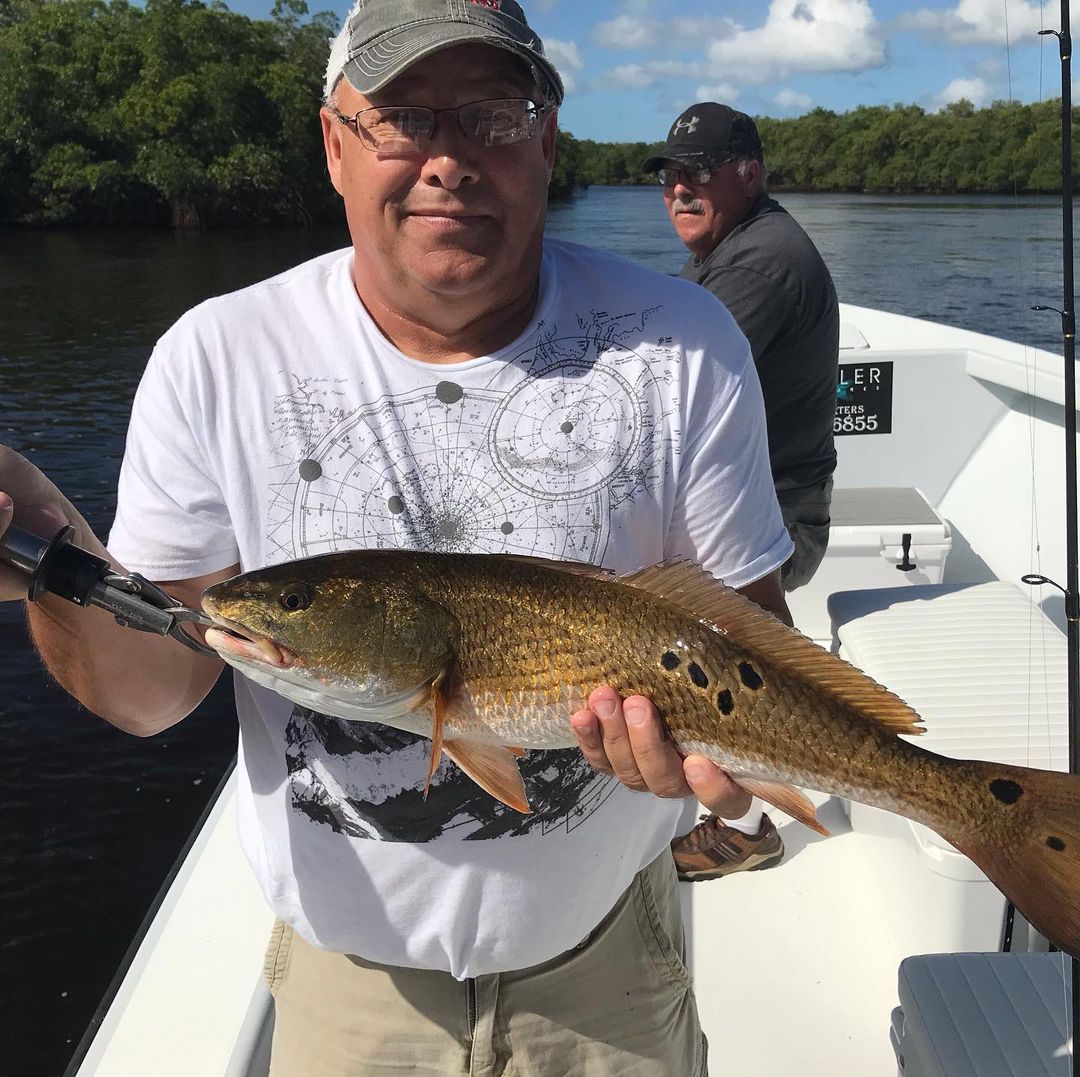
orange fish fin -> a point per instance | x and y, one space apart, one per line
682 582
493 768
437 724
519 752
708 599
574 568
1024 832
785 797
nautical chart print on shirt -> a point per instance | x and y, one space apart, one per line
534 455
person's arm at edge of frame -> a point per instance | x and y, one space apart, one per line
138 682
627 737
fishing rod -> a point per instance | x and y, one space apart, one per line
1068 333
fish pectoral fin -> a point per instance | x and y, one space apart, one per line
785 797
493 768
438 700
519 752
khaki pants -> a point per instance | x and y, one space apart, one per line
618 1005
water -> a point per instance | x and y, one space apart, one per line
979 262
93 818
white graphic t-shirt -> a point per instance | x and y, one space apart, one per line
625 425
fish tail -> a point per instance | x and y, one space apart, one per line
1027 841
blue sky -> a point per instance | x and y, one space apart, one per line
632 65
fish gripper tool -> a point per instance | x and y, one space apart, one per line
56 566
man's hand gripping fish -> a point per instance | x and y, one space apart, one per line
489 655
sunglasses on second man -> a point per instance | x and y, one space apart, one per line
691 177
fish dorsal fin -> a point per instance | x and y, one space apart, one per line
573 568
700 594
690 587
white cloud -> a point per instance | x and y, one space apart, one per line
625 32
793 99
693 30
980 22
636 76
566 56
802 35
717 91
977 91
633 32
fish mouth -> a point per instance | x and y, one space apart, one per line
231 639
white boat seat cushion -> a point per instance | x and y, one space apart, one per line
983 665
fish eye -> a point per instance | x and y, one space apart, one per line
295 597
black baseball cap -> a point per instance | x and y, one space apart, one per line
707 134
383 38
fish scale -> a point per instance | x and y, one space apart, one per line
491 654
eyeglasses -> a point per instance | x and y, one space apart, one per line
407 129
668 177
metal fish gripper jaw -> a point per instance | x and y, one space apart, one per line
56 566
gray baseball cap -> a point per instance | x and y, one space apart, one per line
382 38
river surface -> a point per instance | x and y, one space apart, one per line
92 818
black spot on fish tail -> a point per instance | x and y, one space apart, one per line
1007 791
669 660
725 702
750 676
1056 844
697 675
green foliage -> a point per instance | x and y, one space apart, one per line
614 163
179 111
183 112
1001 149
567 166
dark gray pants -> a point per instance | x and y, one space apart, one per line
806 515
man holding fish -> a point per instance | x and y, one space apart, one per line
452 383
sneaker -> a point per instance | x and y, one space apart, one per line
713 849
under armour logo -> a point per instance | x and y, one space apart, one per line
690 125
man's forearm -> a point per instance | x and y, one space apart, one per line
139 682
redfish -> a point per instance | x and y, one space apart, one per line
489 655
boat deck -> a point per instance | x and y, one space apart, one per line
804 956
801 957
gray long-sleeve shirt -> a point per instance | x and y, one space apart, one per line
769 274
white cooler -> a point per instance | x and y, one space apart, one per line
870 528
